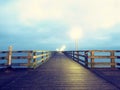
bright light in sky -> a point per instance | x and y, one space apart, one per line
62 48
76 33
46 24
57 49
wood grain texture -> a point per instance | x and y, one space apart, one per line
59 73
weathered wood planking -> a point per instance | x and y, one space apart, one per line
59 73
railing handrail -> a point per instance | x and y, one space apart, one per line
33 56
90 54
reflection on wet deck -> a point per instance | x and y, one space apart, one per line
59 73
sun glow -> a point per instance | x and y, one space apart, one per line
76 33
62 48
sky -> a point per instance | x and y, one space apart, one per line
46 24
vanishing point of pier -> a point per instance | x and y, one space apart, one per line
59 71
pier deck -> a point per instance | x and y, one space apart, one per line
59 73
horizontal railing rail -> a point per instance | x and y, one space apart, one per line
23 58
96 58
40 57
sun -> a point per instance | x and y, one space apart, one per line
76 33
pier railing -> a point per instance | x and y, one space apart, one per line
40 57
96 58
23 58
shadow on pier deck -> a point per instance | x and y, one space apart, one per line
59 73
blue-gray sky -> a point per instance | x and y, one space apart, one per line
46 24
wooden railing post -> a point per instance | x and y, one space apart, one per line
86 58
92 59
42 55
77 52
47 55
112 59
73 55
34 54
29 59
9 58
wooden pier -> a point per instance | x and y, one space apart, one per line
58 73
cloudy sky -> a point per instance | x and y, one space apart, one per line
46 24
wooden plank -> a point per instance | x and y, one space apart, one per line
102 63
80 55
3 51
19 64
102 50
86 59
44 54
92 59
59 73
3 64
39 51
42 60
81 60
84 51
9 57
29 59
39 61
78 51
118 57
118 64
34 57
117 51
37 56
16 57
21 57
3 58
112 59
75 58
23 51
102 57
